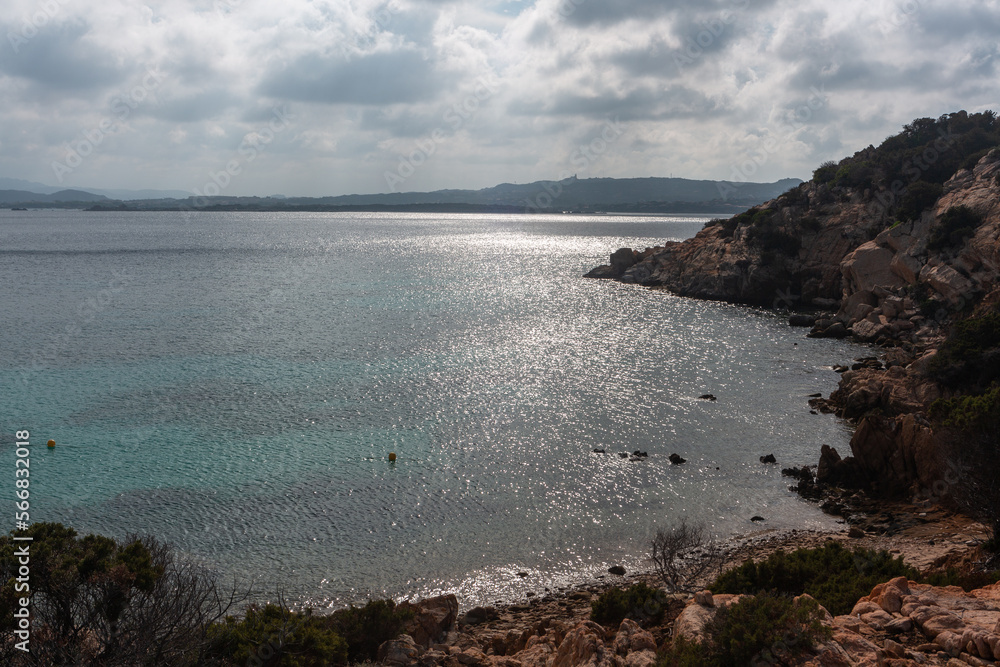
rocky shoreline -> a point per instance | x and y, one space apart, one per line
833 258
555 630
857 252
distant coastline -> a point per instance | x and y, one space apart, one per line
721 209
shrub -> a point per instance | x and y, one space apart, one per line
974 413
757 628
640 602
671 554
274 635
825 173
966 580
794 196
366 628
810 223
97 600
833 575
957 224
970 355
769 239
857 175
918 197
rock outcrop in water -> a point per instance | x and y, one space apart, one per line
892 247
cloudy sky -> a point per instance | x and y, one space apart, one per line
313 97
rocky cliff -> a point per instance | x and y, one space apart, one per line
892 246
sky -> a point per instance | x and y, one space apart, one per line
318 97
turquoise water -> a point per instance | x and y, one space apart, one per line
233 384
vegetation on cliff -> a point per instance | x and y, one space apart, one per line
747 632
99 601
905 173
832 574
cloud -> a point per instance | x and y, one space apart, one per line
699 85
397 77
58 56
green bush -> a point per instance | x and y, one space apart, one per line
640 602
758 628
957 224
968 581
773 240
918 197
975 413
366 628
833 575
273 635
276 635
857 175
825 173
97 600
970 355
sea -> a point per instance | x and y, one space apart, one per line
233 384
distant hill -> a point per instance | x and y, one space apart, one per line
35 187
635 195
574 192
60 196
626 195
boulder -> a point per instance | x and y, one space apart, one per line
621 260
867 331
631 637
799 320
867 267
949 283
433 618
478 615
583 647
399 652
539 654
906 267
835 471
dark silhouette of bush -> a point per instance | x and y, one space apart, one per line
919 196
957 224
272 636
825 173
100 601
366 628
833 575
970 356
755 630
857 175
640 602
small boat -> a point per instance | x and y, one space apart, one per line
19 209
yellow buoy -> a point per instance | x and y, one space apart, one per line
392 457
52 444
